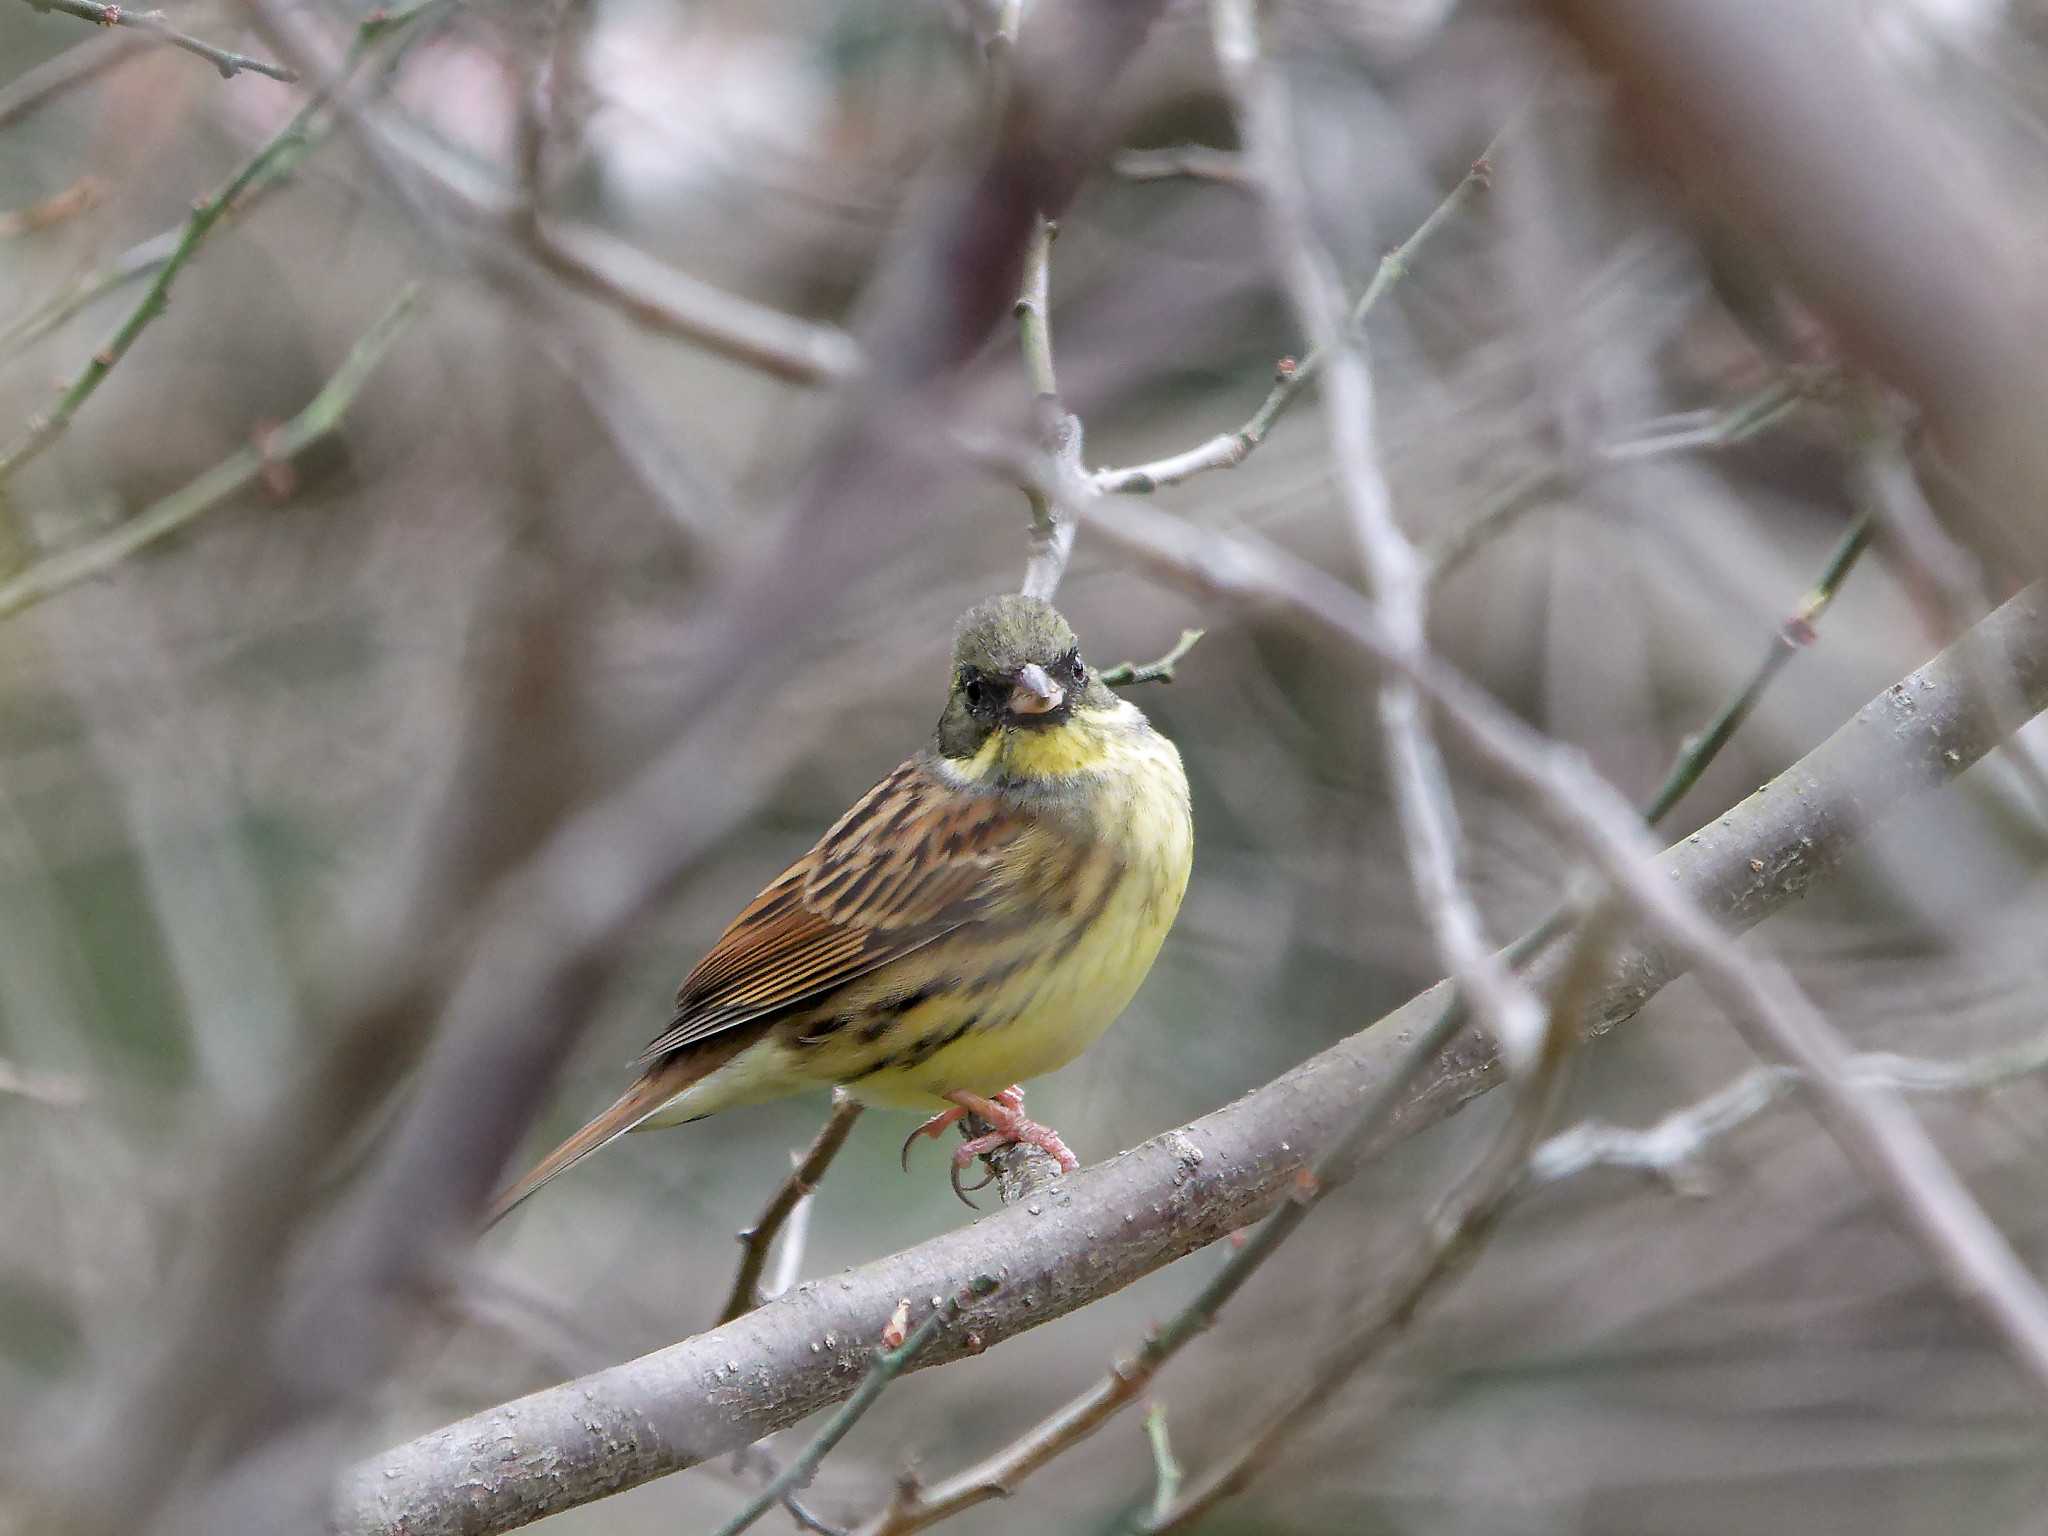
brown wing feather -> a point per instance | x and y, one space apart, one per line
914 859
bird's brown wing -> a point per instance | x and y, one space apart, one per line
915 859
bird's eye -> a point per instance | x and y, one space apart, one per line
1078 667
974 692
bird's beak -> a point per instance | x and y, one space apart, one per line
1035 692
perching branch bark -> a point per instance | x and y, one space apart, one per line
1119 1221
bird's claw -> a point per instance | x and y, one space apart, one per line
933 1128
1004 1113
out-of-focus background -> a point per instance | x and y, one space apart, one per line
267 780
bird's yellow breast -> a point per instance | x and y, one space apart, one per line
1104 911
1089 897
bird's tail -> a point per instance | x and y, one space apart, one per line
637 1103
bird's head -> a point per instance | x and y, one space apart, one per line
1016 667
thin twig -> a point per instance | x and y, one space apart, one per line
1422 795
756 1240
1034 312
1228 449
1671 1150
1053 515
140 260
1880 1137
1166 1472
148 257
886 1367
508 217
1195 162
1450 1242
287 145
1792 637
1524 494
1050 496
158 25
75 66
1739 423
808 1520
322 414
1128 674
1699 750
81 196
273 161
787 1251
760 1459
41 1087
652 294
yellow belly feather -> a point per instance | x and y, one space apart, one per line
1014 1006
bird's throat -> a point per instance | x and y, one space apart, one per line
1087 742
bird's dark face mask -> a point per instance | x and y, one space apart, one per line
1035 697
1016 667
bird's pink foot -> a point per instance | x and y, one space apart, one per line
1011 1098
1005 1112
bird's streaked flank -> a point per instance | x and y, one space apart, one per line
979 917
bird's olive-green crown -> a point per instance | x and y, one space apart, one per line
994 642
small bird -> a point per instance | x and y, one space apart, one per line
979 917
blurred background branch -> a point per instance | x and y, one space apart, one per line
157 25
269 458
